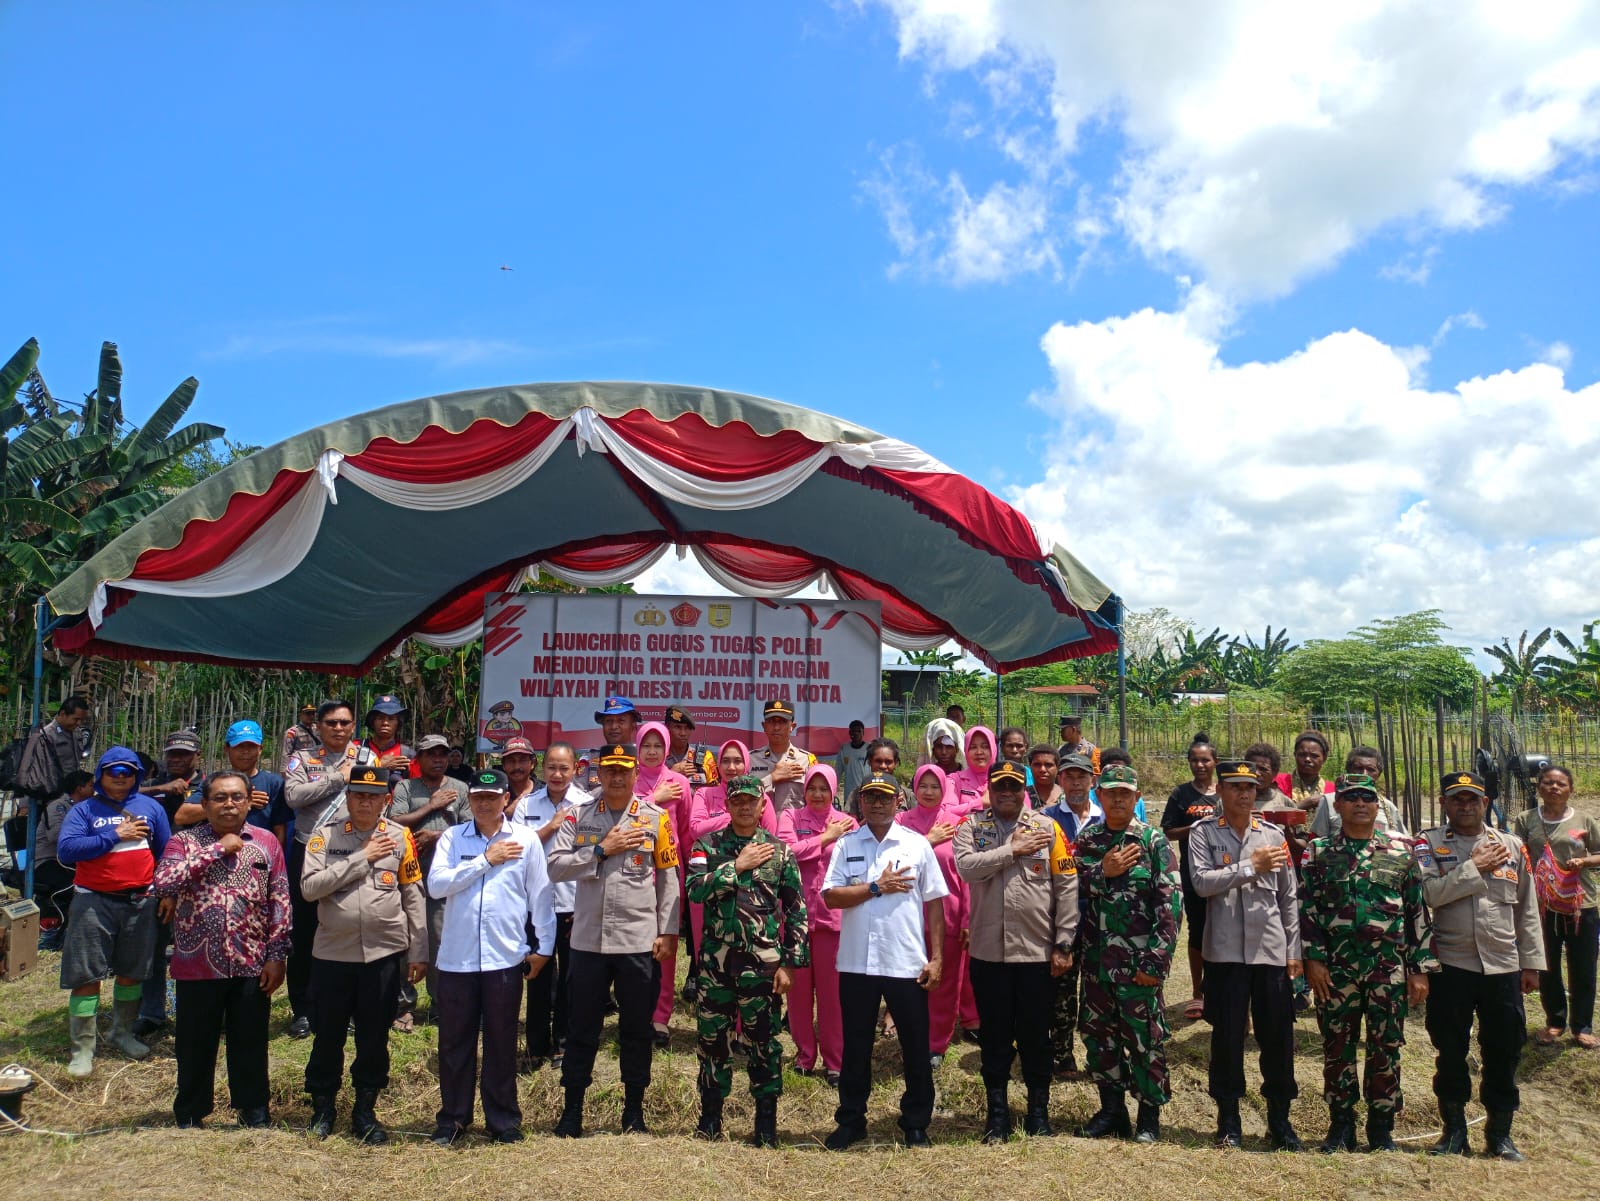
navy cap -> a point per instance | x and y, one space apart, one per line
387 704
490 780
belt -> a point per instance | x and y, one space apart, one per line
126 894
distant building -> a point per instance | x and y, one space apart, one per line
1075 698
919 683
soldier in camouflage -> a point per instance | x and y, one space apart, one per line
754 936
1368 946
1129 894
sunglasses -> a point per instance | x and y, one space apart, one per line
338 721
118 770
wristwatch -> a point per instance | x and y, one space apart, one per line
873 890
599 853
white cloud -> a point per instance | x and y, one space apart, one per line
941 230
1323 489
1262 140
336 336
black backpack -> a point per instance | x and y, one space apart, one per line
11 760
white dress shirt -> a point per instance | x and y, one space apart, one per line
884 935
536 809
487 905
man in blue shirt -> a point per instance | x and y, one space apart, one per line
268 810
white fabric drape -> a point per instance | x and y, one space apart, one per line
457 494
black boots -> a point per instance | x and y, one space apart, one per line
1497 1142
766 1127
1380 1132
1036 1122
364 1122
997 1122
1453 1138
1147 1129
570 1124
1229 1132
710 1124
321 1115
1280 1134
633 1110
1341 1132
1112 1118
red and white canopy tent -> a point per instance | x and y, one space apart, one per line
328 549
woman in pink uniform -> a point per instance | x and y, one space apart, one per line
971 783
709 811
936 816
665 788
811 830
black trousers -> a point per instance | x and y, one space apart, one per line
637 981
859 996
1014 1006
1264 992
547 995
208 1009
1579 937
369 993
1455 997
469 1003
302 934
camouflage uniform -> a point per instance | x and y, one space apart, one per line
1361 914
754 922
1129 923
1064 1012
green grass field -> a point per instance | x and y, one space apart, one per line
136 1151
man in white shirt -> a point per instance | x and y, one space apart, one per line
887 884
492 883
543 809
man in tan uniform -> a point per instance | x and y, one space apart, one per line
624 926
1024 914
1251 945
780 764
372 933
1488 939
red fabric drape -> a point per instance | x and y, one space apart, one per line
714 452
437 456
204 545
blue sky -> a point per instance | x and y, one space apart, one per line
990 229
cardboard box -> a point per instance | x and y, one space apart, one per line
19 939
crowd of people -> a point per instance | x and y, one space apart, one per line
1012 895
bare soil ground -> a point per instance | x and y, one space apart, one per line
135 1152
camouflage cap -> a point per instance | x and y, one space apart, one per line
1119 776
744 786
1352 783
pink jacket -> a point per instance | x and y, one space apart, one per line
802 829
922 819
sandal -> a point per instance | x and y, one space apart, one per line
1195 1009
1548 1036
1586 1040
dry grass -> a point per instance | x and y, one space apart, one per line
144 1156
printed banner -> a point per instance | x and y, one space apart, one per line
550 660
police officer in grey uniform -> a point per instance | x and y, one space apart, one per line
1024 915
372 933
1251 946
1487 937
624 926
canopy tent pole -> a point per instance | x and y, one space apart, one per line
41 627
1122 676
999 716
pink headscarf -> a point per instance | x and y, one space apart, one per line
828 775
650 778
923 818
971 783
709 812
